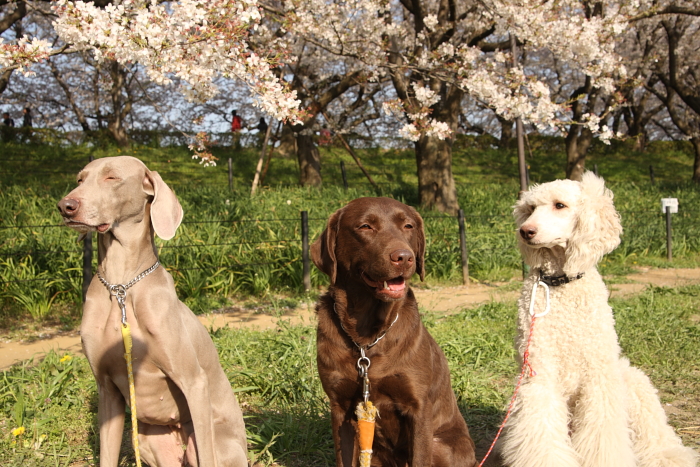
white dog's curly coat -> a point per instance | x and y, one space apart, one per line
583 405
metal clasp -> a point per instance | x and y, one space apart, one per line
363 364
119 292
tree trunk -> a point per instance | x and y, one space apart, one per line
578 140
69 95
309 161
436 186
696 166
288 143
120 106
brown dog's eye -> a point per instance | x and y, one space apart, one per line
365 227
559 206
408 226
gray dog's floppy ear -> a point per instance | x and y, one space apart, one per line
420 246
166 212
598 227
323 249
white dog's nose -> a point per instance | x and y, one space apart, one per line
527 232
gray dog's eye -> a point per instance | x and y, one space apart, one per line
559 206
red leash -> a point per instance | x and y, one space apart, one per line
526 365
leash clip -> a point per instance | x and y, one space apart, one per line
118 291
534 296
363 364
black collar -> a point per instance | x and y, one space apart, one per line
554 281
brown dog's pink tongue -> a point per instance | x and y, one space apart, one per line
396 284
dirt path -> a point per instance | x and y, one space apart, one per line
445 300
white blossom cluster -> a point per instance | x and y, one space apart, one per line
577 38
23 53
192 40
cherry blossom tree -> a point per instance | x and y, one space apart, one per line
192 41
437 51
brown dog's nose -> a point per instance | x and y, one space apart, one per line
68 207
401 257
528 232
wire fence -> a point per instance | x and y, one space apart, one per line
221 255
454 243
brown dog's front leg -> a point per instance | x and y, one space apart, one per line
110 416
343 437
421 454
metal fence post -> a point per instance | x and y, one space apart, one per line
230 175
345 175
595 170
463 246
652 177
669 242
305 250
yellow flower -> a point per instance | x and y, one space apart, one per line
66 358
18 431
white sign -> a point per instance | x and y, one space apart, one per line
671 203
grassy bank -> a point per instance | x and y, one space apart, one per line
287 413
230 245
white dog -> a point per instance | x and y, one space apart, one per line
580 404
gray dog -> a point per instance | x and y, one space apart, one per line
183 397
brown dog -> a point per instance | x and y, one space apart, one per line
183 397
369 249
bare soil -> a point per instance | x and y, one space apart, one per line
445 300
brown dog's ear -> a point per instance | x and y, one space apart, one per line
166 212
323 249
420 246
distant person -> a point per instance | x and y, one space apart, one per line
27 118
236 127
325 137
262 131
6 120
236 122
8 133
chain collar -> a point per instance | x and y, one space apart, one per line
364 362
369 346
119 290
554 281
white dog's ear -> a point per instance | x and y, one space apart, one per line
166 212
598 229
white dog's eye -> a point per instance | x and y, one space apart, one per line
559 206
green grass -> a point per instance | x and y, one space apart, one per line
287 412
232 246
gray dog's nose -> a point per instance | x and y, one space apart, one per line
68 207
401 256
528 232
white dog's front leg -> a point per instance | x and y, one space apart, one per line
600 424
537 433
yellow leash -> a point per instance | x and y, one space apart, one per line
126 335
119 292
